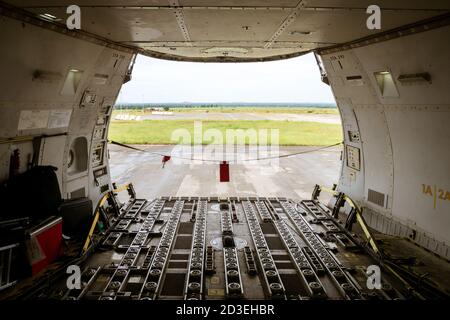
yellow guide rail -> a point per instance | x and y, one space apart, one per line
126 187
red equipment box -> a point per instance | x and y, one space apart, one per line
45 244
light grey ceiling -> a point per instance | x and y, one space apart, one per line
246 29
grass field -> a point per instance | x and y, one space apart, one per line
239 110
160 131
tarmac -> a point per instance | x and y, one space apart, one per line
292 177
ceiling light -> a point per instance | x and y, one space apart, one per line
49 17
222 50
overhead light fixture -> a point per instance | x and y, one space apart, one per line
227 50
72 81
386 84
49 17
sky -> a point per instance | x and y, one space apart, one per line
295 80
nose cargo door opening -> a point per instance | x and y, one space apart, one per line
68 231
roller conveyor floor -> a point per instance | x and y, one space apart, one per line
229 248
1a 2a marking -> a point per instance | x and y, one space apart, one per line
436 193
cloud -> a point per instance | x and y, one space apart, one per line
291 80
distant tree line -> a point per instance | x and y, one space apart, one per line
167 106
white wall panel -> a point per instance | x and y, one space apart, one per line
405 139
31 52
377 148
422 157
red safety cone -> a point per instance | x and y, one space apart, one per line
224 172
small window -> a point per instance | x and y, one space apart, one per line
77 161
71 83
386 84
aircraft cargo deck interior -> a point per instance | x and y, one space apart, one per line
76 224
192 248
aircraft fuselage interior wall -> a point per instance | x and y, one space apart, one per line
62 90
394 102
392 96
